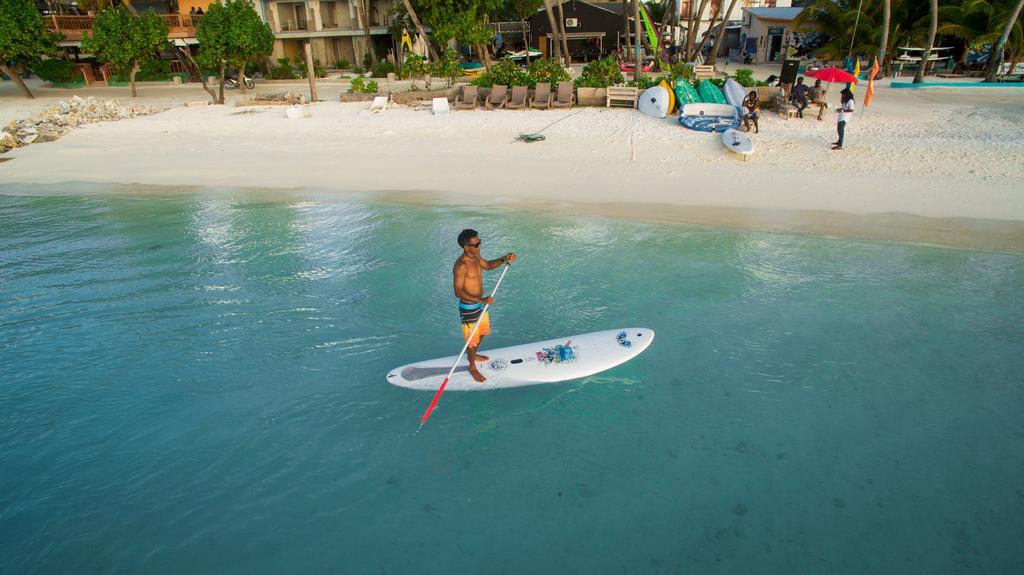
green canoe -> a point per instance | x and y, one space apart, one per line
685 94
710 93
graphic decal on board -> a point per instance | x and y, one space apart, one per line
558 354
623 340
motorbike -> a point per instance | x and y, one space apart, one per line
232 83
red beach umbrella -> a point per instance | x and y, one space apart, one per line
832 74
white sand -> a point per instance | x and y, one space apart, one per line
940 153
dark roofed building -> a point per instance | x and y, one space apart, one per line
591 30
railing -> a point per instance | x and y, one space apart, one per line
177 24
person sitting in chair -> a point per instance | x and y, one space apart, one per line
817 96
799 97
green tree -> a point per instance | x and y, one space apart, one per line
125 41
231 35
24 40
447 67
836 19
466 21
249 36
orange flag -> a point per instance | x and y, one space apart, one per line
870 94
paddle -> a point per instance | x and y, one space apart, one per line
440 390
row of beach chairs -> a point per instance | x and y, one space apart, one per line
519 98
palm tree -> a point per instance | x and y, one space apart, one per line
561 32
363 14
720 34
625 22
692 25
836 20
554 29
933 28
884 43
707 35
973 22
996 55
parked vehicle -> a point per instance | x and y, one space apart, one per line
232 83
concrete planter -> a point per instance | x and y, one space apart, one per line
591 96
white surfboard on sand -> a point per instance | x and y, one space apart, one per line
654 101
738 143
548 361
734 93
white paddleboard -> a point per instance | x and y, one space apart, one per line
734 93
548 361
723 110
654 102
738 143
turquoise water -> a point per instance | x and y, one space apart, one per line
194 383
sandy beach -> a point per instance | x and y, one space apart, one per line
939 166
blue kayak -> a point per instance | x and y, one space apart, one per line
709 123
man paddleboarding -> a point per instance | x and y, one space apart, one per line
469 288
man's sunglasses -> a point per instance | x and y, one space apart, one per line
476 245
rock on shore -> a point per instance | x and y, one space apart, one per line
59 119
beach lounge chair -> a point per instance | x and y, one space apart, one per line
565 97
440 106
517 101
498 97
468 99
541 96
379 104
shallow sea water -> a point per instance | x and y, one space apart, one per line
194 383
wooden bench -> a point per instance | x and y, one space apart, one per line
704 72
621 95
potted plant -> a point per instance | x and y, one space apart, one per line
594 79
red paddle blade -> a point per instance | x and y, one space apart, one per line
433 404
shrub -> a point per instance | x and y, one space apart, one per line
357 70
547 70
359 85
600 74
153 70
644 82
679 70
341 64
319 69
57 71
414 66
382 69
745 77
505 73
283 70
447 67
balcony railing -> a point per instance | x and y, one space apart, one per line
73 27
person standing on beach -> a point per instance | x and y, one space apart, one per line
843 115
469 288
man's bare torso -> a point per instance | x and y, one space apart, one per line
472 275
